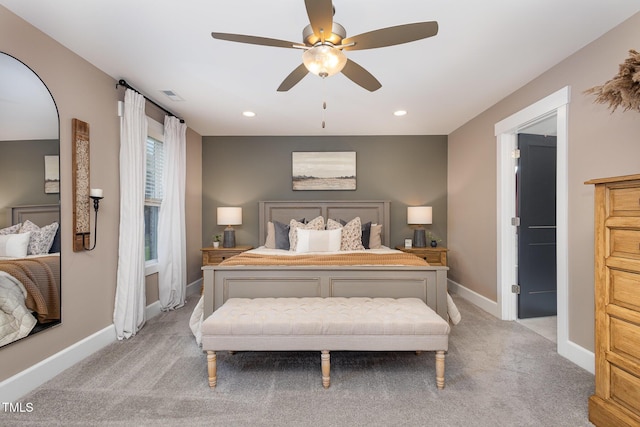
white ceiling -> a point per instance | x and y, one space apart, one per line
484 51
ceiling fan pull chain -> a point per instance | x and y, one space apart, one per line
324 103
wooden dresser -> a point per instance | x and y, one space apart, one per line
616 401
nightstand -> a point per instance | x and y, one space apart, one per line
434 256
214 256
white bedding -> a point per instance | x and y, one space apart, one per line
16 320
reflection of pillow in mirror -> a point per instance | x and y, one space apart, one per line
10 230
14 245
375 238
318 240
41 237
315 224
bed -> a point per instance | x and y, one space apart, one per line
29 271
221 282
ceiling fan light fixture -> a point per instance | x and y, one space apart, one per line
324 60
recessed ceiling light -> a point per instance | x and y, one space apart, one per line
248 114
400 113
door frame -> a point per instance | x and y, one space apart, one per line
506 136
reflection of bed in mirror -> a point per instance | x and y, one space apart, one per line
29 273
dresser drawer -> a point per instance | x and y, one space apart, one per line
625 389
625 243
625 339
624 289
625 201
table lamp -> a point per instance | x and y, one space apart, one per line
229 216
419 215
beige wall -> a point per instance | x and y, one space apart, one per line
88 278
600 144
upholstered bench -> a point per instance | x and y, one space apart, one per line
325 324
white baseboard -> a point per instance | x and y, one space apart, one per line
23 382
569 350
15 387
475 298
579 355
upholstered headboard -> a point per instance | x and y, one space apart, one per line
40 215
376 211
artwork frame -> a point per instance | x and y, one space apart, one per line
52 174
323 170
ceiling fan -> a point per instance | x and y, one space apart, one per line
325 40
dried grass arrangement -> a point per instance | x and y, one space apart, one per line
624 89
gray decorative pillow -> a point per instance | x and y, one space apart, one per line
281 232
41 237
10 230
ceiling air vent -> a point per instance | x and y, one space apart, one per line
172 95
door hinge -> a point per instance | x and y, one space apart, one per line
515 221
515 289
515 153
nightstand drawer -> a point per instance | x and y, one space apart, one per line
214 256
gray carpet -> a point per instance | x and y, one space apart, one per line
498 374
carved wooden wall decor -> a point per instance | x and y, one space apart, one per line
80 180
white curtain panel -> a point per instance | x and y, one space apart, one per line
128 315
172 262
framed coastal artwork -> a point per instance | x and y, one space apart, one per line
323 170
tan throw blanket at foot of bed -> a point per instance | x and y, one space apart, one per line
41 279
349 258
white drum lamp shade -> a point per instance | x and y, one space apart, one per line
419 215
229 216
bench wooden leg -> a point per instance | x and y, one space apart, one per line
326 368
212 368
440 369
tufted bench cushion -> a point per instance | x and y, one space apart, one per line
324 324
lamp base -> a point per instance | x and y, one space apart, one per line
419 238
229 240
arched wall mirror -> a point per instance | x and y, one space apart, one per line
30 253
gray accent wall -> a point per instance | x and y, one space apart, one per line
241 171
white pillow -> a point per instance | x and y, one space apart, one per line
315 224
318 240
14 245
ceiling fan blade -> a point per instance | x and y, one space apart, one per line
293 78
360 76
262 41
320 14
392 35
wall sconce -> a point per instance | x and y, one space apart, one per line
96 196
229 216
419 215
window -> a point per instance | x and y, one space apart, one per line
153 190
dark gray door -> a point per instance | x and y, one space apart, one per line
536 208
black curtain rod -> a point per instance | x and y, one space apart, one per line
123 82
